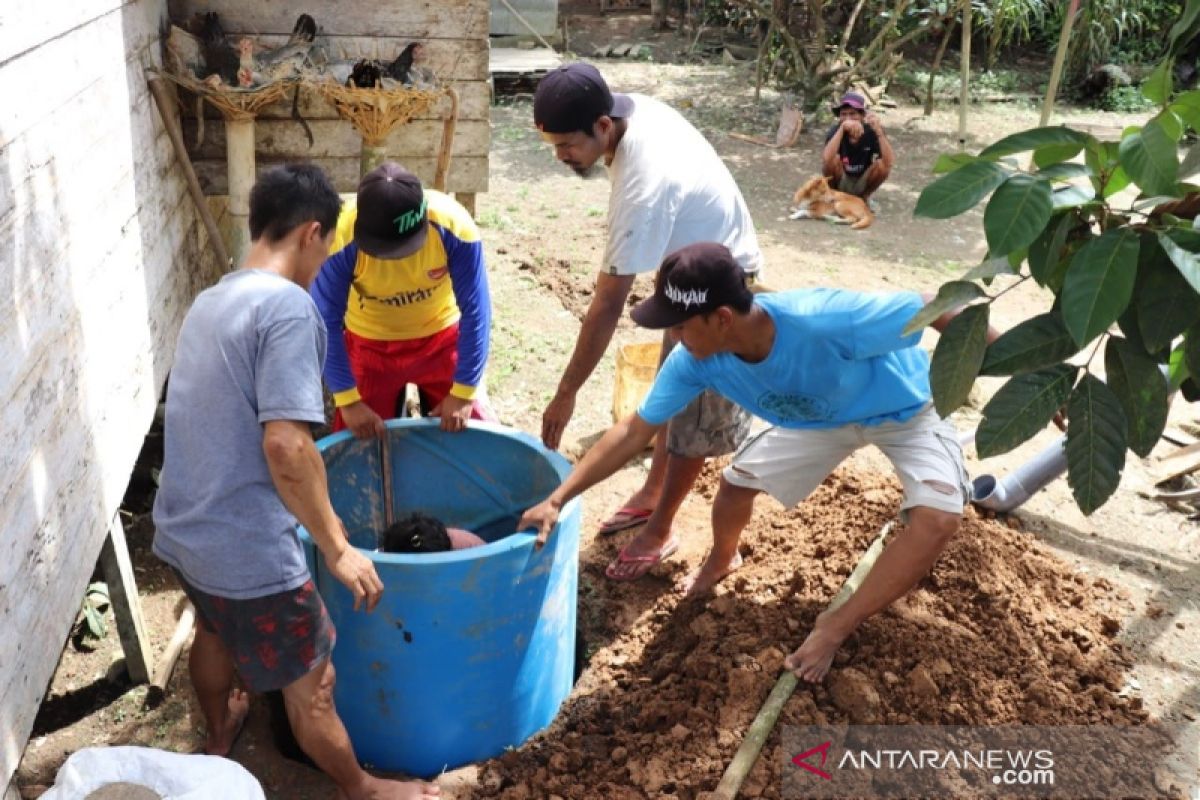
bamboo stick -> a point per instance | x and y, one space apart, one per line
166 665
239 161
747 755
448 126
162 100
965 89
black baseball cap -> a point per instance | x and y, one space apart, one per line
572 97
693 280
391 221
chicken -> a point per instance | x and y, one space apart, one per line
297 55
221 58
399 69
248 74
366 74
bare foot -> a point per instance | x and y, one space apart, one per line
220 741
380 789
702 580
812 659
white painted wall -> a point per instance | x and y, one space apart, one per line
102 254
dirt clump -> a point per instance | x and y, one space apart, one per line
1000 632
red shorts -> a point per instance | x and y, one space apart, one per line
275 640
382 369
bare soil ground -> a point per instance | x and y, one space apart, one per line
1043 617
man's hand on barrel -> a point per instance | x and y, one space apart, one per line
356 572
362 421
542 518
454 412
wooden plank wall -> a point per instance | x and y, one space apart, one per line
455 34
103 253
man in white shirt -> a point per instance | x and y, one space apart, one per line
669 189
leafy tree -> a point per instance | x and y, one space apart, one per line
1125 279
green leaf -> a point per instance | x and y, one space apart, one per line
1017 213
1185 27
1187 107
1117 180
1190 389
1149 158
1191 350
1191 163
1188 263
957 358
1036 139
1141 390
1062 172
1071 196
1023 407
1177 369
1046 252
949 297
1095 443
1031 345
1158 85
1052 154
990 268
948 162
1166 304
959 191
96 628
1099 283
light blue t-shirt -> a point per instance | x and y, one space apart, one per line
838 358
250 351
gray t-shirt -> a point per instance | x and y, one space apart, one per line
250 351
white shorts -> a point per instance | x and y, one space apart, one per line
789 464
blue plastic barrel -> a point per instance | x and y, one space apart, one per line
469 652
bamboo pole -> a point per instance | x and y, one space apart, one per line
370 157
747 755
1060 58
448 126
965 89
162 100
162 672
239 160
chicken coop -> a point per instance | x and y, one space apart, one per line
108 241
307 123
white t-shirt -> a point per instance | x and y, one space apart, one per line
671 189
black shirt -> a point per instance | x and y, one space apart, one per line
856 157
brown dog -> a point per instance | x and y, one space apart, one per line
816 199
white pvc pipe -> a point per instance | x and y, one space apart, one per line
1005 494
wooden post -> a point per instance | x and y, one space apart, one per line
1060 58
965 90
467 201
239 159
372 156
127 608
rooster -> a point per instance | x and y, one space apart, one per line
221 58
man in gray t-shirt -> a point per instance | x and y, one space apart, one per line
240 470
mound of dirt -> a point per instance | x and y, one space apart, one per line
999 632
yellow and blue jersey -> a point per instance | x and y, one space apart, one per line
408 298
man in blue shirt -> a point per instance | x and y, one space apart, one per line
830 370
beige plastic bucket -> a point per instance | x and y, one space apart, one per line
637 365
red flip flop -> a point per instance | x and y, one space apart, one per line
644 563
624 519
